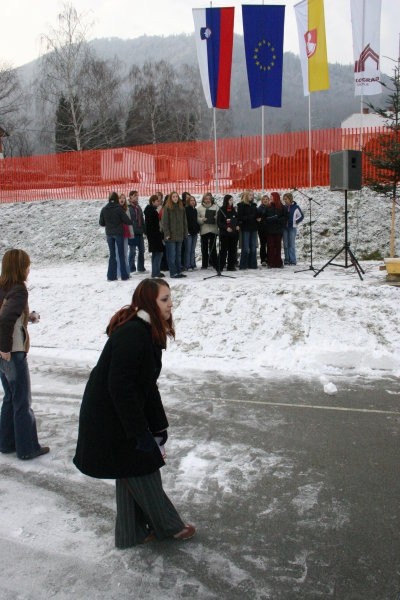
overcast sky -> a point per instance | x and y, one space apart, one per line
23 22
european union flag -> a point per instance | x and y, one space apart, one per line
263 40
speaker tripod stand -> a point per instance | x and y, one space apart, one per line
348 254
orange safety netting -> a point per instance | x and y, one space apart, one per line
190 166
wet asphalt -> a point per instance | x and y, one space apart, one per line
295 495
322 521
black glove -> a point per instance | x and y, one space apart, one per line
161 437
145 442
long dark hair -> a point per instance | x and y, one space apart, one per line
226 199
144 297
14 267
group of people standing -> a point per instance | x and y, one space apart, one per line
125 228
173 225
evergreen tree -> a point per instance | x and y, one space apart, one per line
64 131
68 122
385 154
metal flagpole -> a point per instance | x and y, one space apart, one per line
262 145
215 143
309 139
215 152
262 151
362 95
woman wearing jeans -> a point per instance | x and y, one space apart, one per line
174 226
295 217
17 422
248 223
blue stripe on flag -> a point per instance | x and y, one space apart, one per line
213 21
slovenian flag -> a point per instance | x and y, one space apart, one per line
214 43
263 40
312 42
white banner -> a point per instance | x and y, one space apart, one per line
301 11
366 22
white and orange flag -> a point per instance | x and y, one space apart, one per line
310 19
366 22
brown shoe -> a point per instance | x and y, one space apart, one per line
187 532
150 538
42 450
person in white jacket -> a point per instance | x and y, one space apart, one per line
207 219
295 217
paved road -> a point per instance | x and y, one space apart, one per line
323 520
295 495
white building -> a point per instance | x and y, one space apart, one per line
359 128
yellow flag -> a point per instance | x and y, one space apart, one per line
318 74
312 44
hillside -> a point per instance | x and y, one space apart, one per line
328 108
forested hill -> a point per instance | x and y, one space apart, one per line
328 108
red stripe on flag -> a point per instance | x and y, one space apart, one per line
225 58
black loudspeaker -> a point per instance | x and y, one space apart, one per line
345 170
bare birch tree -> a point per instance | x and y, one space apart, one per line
70 70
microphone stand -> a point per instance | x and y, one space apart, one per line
310 222
218 267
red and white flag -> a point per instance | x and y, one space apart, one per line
366 22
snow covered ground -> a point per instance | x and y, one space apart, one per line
265 322
273 326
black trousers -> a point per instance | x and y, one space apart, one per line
143 508
228 249
208 250
263 246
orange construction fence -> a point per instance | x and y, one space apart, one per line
190 166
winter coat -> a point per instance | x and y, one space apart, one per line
14 314
227 219
120 402
154 235
247 215
273 220
295 216
191 217
174 223
137 218
201 215
112 216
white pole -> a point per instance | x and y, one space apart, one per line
215 151
262 145
215 144
309 140
262 151
362 95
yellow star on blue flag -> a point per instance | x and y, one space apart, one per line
263 38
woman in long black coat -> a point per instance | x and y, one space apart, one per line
228 226
154 235
122 423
